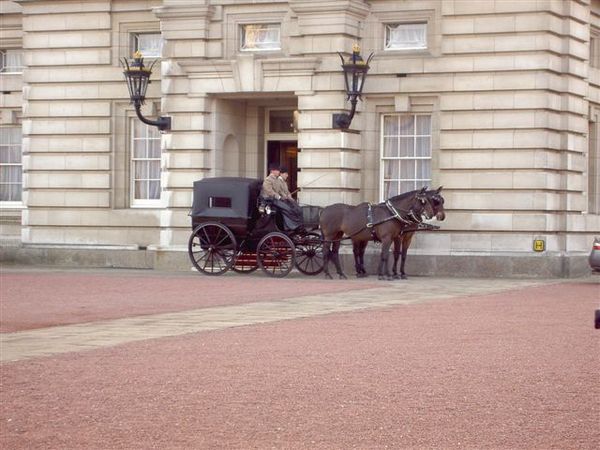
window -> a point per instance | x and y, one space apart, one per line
594 168
406 36
11 61
148 44
595 48
405 153
260 37
281 121
145 164
11 170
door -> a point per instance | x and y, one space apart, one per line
285 153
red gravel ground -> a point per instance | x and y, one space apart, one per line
517 370
46 299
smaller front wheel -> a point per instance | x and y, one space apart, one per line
309 254
275 255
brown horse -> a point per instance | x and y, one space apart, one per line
402 242
365 222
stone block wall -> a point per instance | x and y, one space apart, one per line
513 98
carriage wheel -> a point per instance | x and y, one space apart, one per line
275 254
309 254
212 248
245 262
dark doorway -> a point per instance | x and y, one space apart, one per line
285 153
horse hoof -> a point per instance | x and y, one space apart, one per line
403 277
328 277
361 275
396 277
381 277
343 277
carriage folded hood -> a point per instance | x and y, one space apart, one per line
226 197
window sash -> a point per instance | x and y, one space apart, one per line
260 37
406 36
11 61
145 173
595 49
148 44
594 168
11 167
405 153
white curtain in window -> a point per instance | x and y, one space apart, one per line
261 37
145 155
406 153
12 61
149 45
406 36
11 169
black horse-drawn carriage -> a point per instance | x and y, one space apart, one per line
235 228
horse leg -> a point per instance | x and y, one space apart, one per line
326 257
397 247
405 244
335 250
356 252
383 272
359 255
363 247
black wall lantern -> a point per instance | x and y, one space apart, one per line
355 72
138 79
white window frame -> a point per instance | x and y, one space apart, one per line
414 135
388 30
135 44
139 202
13 203
593 206
242 32
595 47
12 69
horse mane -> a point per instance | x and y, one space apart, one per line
404 196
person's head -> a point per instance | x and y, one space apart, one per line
274 170
284 172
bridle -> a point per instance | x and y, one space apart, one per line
412 217
409 218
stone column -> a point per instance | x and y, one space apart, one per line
329 160
186 148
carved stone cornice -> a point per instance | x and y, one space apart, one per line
208 68
183 11
355 7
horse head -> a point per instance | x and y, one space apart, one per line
414 206
437 203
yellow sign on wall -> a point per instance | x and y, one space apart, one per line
539 245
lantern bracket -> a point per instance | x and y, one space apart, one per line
355 73
138 78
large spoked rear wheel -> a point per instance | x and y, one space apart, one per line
276 254
309 254
212 248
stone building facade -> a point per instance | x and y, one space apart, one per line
496 100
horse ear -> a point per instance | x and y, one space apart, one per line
439 189
423 190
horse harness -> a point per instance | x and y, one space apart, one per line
410 220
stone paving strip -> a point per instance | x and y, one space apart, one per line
86 336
